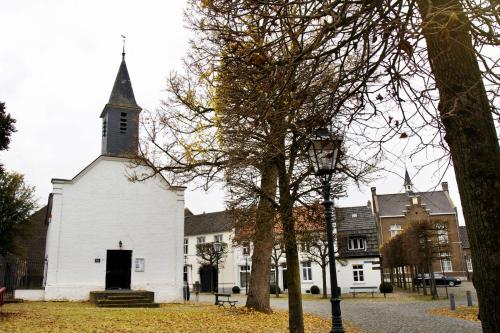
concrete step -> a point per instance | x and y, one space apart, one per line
125 297
128 305
124 301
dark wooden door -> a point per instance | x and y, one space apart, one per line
118 269
208 278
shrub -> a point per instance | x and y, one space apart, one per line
386 288
273 289
315 290
236 290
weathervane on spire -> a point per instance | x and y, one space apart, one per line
123 50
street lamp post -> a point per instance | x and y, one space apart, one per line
217 246
324 152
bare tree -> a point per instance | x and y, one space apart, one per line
212 255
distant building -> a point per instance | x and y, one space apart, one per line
464 237
393 212
359 256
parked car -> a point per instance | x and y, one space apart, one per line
441 280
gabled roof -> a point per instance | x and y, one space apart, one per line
436 202
356 222
464 237
207 223
122 93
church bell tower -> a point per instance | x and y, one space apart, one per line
120 117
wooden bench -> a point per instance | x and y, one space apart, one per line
219 302
2 293
363 290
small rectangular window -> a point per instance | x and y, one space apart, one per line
357 243
186 245
200 240
306 271
358 275
396 229
218 238
246 248
123 114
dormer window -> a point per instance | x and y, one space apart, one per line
357 243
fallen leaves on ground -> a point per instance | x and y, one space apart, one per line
58 317
462 312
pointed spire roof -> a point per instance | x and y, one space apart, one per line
122 93
407 178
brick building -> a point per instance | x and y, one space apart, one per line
393 212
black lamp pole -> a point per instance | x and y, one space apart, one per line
334 294
324 151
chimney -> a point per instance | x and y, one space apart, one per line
444 185
374 190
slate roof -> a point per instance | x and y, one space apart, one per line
122 93
356 222
464 237
354 218
394 204
207 223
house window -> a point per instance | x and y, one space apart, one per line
244 274
306 271
200 240
446 263
186 245
357 243
354 215
395 229
218 238
468 261
442 233
357 271
272 277
246 249
305 247
185 273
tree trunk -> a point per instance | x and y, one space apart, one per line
323 276
295 315
276 280
432 280
398 281
470 133
412 277
263 240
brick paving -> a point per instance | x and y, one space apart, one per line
393 315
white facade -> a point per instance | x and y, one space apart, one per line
231 272
101 210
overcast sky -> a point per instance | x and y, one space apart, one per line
58 62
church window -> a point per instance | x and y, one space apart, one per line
123 123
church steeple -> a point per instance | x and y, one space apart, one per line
120 116
408 184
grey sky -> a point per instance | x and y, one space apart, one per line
58 62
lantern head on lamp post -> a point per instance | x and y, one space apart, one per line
324 151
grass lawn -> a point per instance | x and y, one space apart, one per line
37 317
462 312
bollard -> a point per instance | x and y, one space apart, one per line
469 298
452 302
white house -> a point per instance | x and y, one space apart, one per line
106 232
357 236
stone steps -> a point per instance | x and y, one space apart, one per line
123 299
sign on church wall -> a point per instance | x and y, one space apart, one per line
139 264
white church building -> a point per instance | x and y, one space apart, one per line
108 233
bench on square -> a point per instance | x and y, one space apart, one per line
365 289
227 300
